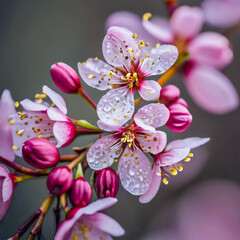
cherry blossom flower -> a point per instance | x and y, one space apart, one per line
41 120
6 190
7 107
168 162
88 223
130 61
208 52
222 13
128 143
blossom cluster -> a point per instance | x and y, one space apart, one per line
129 148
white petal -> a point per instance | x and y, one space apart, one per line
116 107
150 90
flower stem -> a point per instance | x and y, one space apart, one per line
22 169
84 95
76 161
43 209
23 228
57 211
17 179
85 131
68 158
63 203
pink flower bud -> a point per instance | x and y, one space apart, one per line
81 192
169 94
180 118
59 180
65 77
72 212
106 183
40 153
182 102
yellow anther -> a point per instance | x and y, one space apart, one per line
83 63
24 116
14 147
187 159
130 50
173 171
180 168
147 55
135 75
121 51
146 16
96 58
157 45
116 120
141 43
19 113
43 92
115 160
20 132
159 174
128 75
40 100
165 181
110 73
190 154
134 36
52 104
10 121
147 44
40 95
39 135
75 237
142 60
16 104
90 76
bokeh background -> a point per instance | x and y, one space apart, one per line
36 34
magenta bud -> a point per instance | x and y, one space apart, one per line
180 118
80 192
182 102
59 180
65 77
106 183
169 94
72 212
40 153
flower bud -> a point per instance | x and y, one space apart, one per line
106 183
72 212
180 118
40 153
65 77
182 102
80 192
59 180
169 94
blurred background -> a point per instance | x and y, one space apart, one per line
36 34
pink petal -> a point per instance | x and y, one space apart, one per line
149 90
116 46
31 125
56 98
190 143
211 48
56 115
159 28
152 116
29 105
159 60
130 21
109 128
64 132
154 187
98 74
65 228
102 153
3 208
7 107
186 22
7 189
172 156
222 13
116 107
105 224
135 171
211 90
152 142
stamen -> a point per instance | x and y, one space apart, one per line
134 36
10 121
90 76
179 167
141 43
20 132
173 171
146 16
187 159
165 181
14 147
190 154
157 45
16 104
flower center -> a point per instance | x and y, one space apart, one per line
128 136
133 80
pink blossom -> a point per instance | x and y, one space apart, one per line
6 190
208 51
89 223
222 13
130 61
128 143
168 163
42 120
7 107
